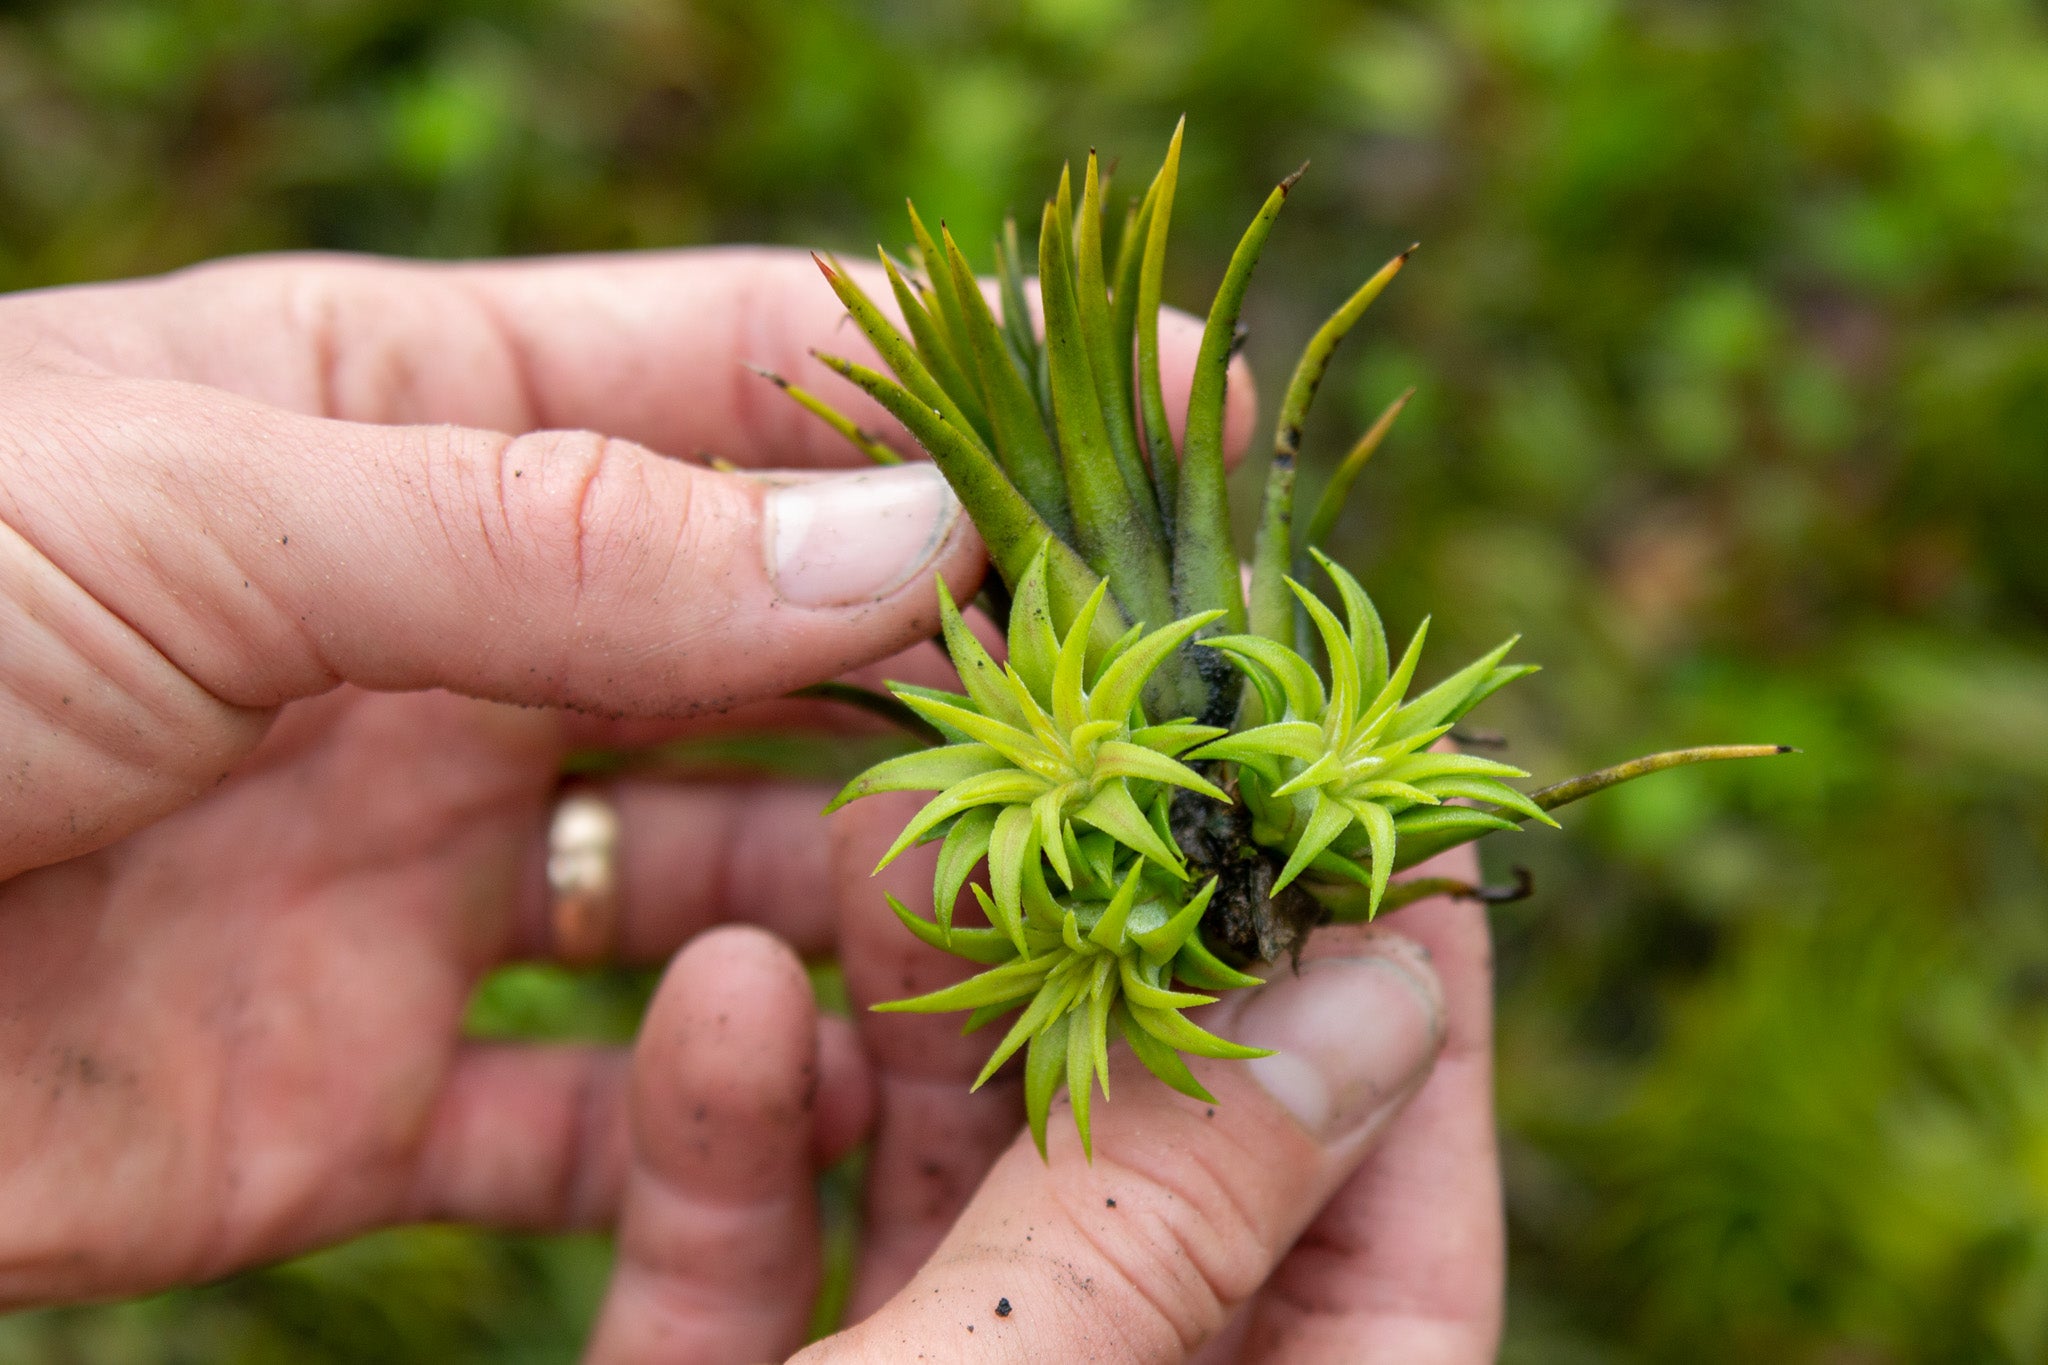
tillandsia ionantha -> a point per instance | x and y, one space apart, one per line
1163 786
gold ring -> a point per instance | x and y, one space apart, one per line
583 877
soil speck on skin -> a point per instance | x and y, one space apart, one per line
1002 1308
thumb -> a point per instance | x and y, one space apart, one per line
178 561
1187 1207
557 568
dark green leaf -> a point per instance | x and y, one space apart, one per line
1021 440
1009 526
1115 544
1111 372
946 357
1151 282
1315 358
1205 573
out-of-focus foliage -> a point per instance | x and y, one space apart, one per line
1730 329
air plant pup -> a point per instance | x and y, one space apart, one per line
1174 774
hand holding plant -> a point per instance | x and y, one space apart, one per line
271 816
233 1004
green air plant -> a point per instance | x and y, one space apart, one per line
1163 785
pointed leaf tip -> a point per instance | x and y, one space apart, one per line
1205 567
1572 789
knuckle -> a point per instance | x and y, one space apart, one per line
542 483
353 330
1183 1239
577 509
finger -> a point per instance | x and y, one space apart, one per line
556 569
718 1241
525 1137
692 856
534 1138
100 734
934 1140
1186 1207
923 664
649 347
1407 1262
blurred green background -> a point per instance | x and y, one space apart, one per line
1730 330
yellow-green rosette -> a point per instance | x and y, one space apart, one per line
1044 747
1057 779
1340 774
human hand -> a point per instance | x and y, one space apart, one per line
1340 1202
1246 1235
249 881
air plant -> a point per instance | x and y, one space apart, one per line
1162 784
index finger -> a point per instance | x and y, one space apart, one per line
648 346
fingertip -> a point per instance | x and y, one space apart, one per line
1180 341
1240 410
740 950
717 1239
728 1052
963 562
861 538
1351 1038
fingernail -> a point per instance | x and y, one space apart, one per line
1352 1036
853 538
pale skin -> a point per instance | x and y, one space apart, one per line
311 573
